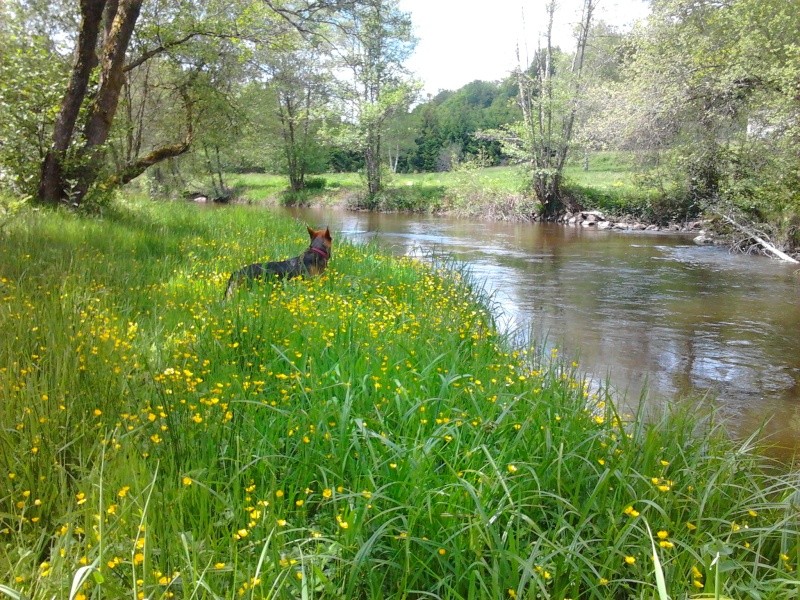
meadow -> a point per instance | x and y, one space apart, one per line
363 434
611 184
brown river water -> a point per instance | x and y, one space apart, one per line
638 311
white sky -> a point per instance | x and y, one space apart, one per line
464 40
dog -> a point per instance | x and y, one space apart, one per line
311 262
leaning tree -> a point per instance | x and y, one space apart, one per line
112 43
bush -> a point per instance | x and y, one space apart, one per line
316 183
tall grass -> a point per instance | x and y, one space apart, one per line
364 434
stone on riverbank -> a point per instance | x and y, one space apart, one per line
597 220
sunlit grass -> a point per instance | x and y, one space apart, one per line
609 184
364 434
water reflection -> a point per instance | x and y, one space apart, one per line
644 309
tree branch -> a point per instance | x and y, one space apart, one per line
164 47
167 46
759 240
133 170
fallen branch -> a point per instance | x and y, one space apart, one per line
759 240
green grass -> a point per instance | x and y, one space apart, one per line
499 178
365 434
610 184
259 186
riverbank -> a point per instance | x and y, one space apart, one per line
497 193
362 434
611 194
613 198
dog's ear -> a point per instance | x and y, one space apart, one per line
311 232
328 234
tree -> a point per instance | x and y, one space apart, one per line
120 20
400 143
548 117
606 54
377 43
31 83
550 90
710 95
300 83
429 140
107 51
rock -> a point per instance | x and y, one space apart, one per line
704 239
604 225
592 216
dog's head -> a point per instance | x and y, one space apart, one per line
321 239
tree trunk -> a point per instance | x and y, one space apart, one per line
295 161
104 105
372 160
118 18
51 185
373 168
548 190
758 239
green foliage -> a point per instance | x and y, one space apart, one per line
708 92
259 187
614 185
365 434
471 190
447 124
316 183
32 77
413 197
10 207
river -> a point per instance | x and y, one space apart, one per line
639 311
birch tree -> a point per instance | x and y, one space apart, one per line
551 88
379 40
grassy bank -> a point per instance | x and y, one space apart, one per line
365 434
609 185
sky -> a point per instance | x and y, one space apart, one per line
464 40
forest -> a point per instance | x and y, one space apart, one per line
703 98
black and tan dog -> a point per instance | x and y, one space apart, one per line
311 262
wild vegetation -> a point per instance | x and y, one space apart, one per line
367 433
703 94
364 434
610 184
